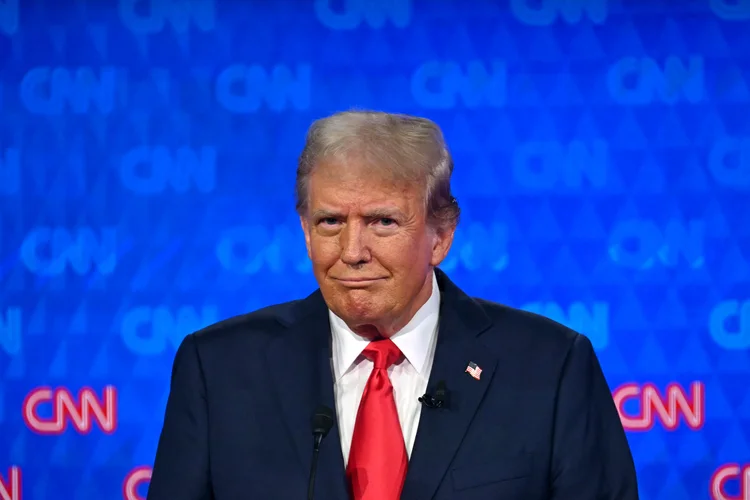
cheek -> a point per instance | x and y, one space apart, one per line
324 250
402 253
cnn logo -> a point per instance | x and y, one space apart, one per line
734 474
133 482
80 411
667 409
10 489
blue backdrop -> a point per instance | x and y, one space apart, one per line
147 159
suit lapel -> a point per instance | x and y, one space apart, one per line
299 365
441 431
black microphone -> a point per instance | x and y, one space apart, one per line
439 400
322 421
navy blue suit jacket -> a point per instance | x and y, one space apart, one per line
539 424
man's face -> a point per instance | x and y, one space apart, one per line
371 247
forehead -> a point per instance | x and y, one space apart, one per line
355 183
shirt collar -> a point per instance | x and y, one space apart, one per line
413 340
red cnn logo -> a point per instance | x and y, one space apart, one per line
137 477
654 406
65 408
11 489
731 472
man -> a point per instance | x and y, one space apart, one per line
527 413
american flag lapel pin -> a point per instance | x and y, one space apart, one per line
474 370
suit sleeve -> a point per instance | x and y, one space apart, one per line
181 469
591 456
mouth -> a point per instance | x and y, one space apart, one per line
357 282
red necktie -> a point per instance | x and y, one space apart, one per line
377 458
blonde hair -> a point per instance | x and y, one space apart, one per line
403 147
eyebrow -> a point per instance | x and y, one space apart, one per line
385 212
324 214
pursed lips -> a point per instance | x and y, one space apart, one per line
358 279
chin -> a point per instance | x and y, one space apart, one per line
357 312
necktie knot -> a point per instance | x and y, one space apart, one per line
383 353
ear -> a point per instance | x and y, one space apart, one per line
306 229
442 241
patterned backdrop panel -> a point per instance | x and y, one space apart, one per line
147 159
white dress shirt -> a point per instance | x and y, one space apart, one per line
409 376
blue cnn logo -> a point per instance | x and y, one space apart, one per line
149 331
255 249
48 251
152 16
729 162
10 330
729 324
641 243
591 320
245 89
477 247
153 170
47 91
440 85
547 12
547 165
10 171
351 14
642 81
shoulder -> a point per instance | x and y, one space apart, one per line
526 332
537 349
258 327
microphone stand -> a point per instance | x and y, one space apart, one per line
314 466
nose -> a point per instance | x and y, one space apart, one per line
354 249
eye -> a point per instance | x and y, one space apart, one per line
328 221
385 221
